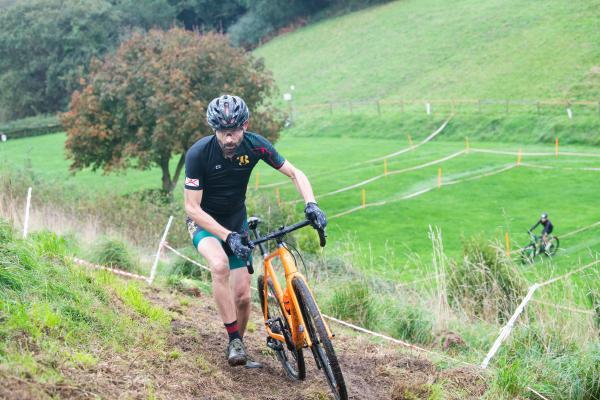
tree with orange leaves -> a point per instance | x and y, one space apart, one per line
146 103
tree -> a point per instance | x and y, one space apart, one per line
43 44
147 102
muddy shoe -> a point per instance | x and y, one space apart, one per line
236 353
251 364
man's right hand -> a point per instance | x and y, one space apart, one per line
236 244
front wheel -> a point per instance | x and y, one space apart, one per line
291 359
321 345
528 253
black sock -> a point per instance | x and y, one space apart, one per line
233 330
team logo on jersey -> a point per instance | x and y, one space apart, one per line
218 166
244 160
192 182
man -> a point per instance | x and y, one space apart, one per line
217 169
547 229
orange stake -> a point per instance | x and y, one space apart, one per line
556 148
439 178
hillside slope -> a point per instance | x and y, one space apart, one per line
70 333
438 49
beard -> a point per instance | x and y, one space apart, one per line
229 150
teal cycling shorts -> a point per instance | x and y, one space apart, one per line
197 234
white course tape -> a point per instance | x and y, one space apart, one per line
540 166
392 172
505 332
359 164
539 154
422 191
116 271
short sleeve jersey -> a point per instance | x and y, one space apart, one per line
224 181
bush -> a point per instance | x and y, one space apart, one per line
32 126
114 253
413 325
486 284
352 302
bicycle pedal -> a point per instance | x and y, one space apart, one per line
274 344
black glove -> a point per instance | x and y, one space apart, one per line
241 248
314 214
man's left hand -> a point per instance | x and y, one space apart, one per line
315 215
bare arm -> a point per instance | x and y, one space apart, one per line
200 217
300 180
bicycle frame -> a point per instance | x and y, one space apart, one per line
293 316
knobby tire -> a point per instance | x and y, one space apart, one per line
315 327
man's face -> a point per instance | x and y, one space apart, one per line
229 140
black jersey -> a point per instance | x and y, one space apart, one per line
548 227
224 181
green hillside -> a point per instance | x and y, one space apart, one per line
437 49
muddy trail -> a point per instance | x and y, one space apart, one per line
192 365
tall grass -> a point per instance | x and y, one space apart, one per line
54 314
485 283
115 253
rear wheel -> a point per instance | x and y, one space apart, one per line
552 246
321 345
291 359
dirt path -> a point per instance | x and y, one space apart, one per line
192 365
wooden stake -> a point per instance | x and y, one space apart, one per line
410 141
364 198
507 244
556 147
257 180
385 170
519 156
439 178
467 145
278 196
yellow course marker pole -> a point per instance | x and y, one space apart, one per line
257 178
556 148
467 145
507 244
519 156
364 198
439 178
385 167
410 141
278 196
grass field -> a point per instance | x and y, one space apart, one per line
392 235
434 49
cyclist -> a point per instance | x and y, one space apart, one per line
217 169
547 229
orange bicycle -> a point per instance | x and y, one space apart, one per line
292 318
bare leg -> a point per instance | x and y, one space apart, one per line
240 285
210 248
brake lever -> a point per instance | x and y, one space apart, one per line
322 237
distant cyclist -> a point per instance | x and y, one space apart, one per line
547 228
217 169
